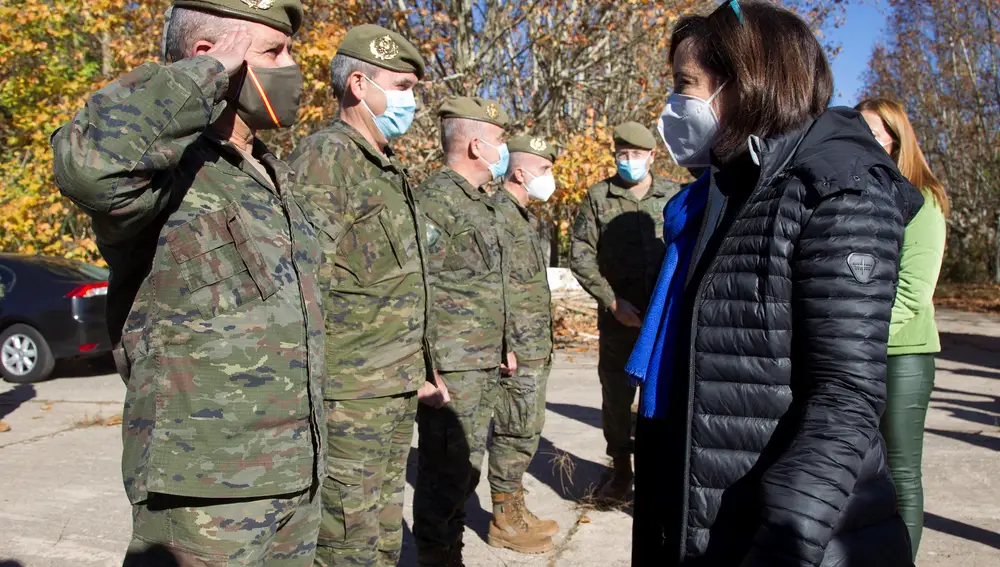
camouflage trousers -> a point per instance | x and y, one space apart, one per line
368 443
181 531
617 392
517 424
451 449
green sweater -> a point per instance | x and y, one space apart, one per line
913 330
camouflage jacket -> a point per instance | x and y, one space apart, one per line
468 275
530 318
373 275
213 293
617 245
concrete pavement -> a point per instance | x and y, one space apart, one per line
61 501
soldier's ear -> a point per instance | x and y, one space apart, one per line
652 156
201 47
474 149
357 86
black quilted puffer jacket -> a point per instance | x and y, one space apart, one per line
776 399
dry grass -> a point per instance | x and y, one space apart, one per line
973 298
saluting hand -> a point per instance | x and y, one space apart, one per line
231 49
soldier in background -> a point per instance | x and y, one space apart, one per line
616 252
520 410
212 303
468 276
358 195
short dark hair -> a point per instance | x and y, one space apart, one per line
778 74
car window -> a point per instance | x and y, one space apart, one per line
72 269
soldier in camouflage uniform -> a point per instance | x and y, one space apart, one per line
616 252
358 195
213 301
468 276
520 409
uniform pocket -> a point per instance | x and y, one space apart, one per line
220 267
350 519
469 252
370 247
525 263
517 407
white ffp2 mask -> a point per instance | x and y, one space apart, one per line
688 126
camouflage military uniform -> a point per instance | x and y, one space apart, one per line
376 301
468 278
617 250
520 410
213 303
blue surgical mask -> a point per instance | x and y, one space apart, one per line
498 169
400 106
633 170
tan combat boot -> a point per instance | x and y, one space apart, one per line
617 487
545 527
509 529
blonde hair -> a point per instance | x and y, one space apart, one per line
906 151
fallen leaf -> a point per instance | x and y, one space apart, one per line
46 407
4 428
114 420
585 519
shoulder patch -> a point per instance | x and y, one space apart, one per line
862 266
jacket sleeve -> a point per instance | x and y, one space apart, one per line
108 157
843 280
919 264
583 255
435 217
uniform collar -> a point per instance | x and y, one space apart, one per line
385 161
473 192
513 199
260 151
658 188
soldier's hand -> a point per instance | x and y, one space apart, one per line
434 394
231 49
626 313
510 367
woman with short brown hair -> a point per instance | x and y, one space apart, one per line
762 359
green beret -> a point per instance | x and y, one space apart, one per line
533 145
382 48
282 15
635 135
474 108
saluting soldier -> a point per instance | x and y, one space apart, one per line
358 195
468 275
213 303
520 409
616 252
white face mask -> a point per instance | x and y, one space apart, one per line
688 126
542 187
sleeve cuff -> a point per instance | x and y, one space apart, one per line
208 74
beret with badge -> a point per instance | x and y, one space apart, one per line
533 145
474 108
282 15
383 48
635 135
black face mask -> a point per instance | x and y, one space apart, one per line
269 97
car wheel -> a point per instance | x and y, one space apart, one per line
24 355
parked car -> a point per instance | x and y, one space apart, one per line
51 309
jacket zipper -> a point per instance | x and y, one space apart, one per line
691 364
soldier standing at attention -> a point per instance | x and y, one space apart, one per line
358 195
468 275
213 302
520 409
616 252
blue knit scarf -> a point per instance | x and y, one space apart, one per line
652 358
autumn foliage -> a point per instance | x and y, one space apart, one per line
568 70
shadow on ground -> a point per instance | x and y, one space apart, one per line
978 350
13 399
84 367
975 438
959 529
